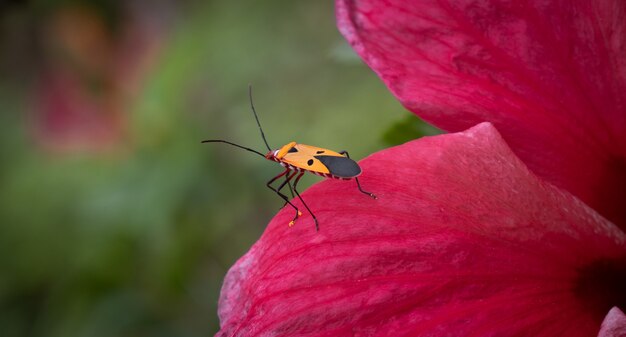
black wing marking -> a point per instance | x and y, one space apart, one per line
340 166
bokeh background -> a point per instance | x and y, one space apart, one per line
114 219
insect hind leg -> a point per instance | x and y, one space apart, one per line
363 191
357 180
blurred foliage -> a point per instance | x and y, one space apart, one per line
114 219
408 128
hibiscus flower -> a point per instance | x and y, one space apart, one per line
513 227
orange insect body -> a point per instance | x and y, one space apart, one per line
316 160
298 159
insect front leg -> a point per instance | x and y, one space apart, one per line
287 182
357 180
295 184
287 178
284 197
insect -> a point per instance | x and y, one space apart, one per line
297 159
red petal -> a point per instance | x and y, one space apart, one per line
550 75
614 324
463 240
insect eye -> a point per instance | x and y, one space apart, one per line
292 150
310 162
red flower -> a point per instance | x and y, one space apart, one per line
466 239
550 76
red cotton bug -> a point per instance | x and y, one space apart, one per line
298 159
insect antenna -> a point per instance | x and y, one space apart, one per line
233 144
257 117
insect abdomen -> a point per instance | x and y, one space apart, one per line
321 174
340 167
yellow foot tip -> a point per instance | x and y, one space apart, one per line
291 223
299 213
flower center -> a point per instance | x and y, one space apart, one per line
602 285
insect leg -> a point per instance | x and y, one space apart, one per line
287 182
364 192
295 184
290 188
274 179
284 197
357 180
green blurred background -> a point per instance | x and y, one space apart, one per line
114 219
